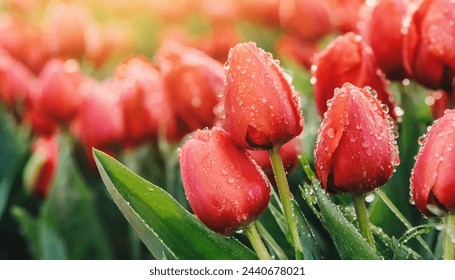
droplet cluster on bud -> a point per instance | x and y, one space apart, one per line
261 107
432 180
356 150
225 188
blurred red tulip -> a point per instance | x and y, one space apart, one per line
289 153
386 40
300 51
348 59
15 81
440 101
99 122
18 36
192 79
39 122
307 19
42 166
261 107
146 109
225 188
60 95
261 11
432 180
345 14
65 28
429 40
356 150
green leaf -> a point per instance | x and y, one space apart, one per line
43 242
13 149
348 241
165 227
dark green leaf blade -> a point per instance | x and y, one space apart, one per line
158 218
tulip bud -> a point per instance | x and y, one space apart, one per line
432 180
348 59
260 105
225 188
292 47
65 27
440 101
345 14
146 109
99 122
386 40
60 96
15 80
307 19
356 150
41 167
428 46
193 79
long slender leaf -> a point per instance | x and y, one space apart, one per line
160 221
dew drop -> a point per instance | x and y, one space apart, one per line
231 180
331 133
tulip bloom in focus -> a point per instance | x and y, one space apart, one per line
429 40
356 150
348 59
225 188
41 167
260 105
432 179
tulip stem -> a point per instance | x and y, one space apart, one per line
449 251
286 199
256 241
362 218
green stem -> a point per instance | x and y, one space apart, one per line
286 199
449 251
256 241
362 217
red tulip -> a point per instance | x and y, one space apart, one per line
386 40
99 122
356 150
440 101
300 51
17 38
15 81
289 153
41 168
65 28
429 40
432 180
146 109
224 186
261 106
307 19
192 79
348 59
60 96
261 11
34 116
345 14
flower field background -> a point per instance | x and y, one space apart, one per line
283 129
